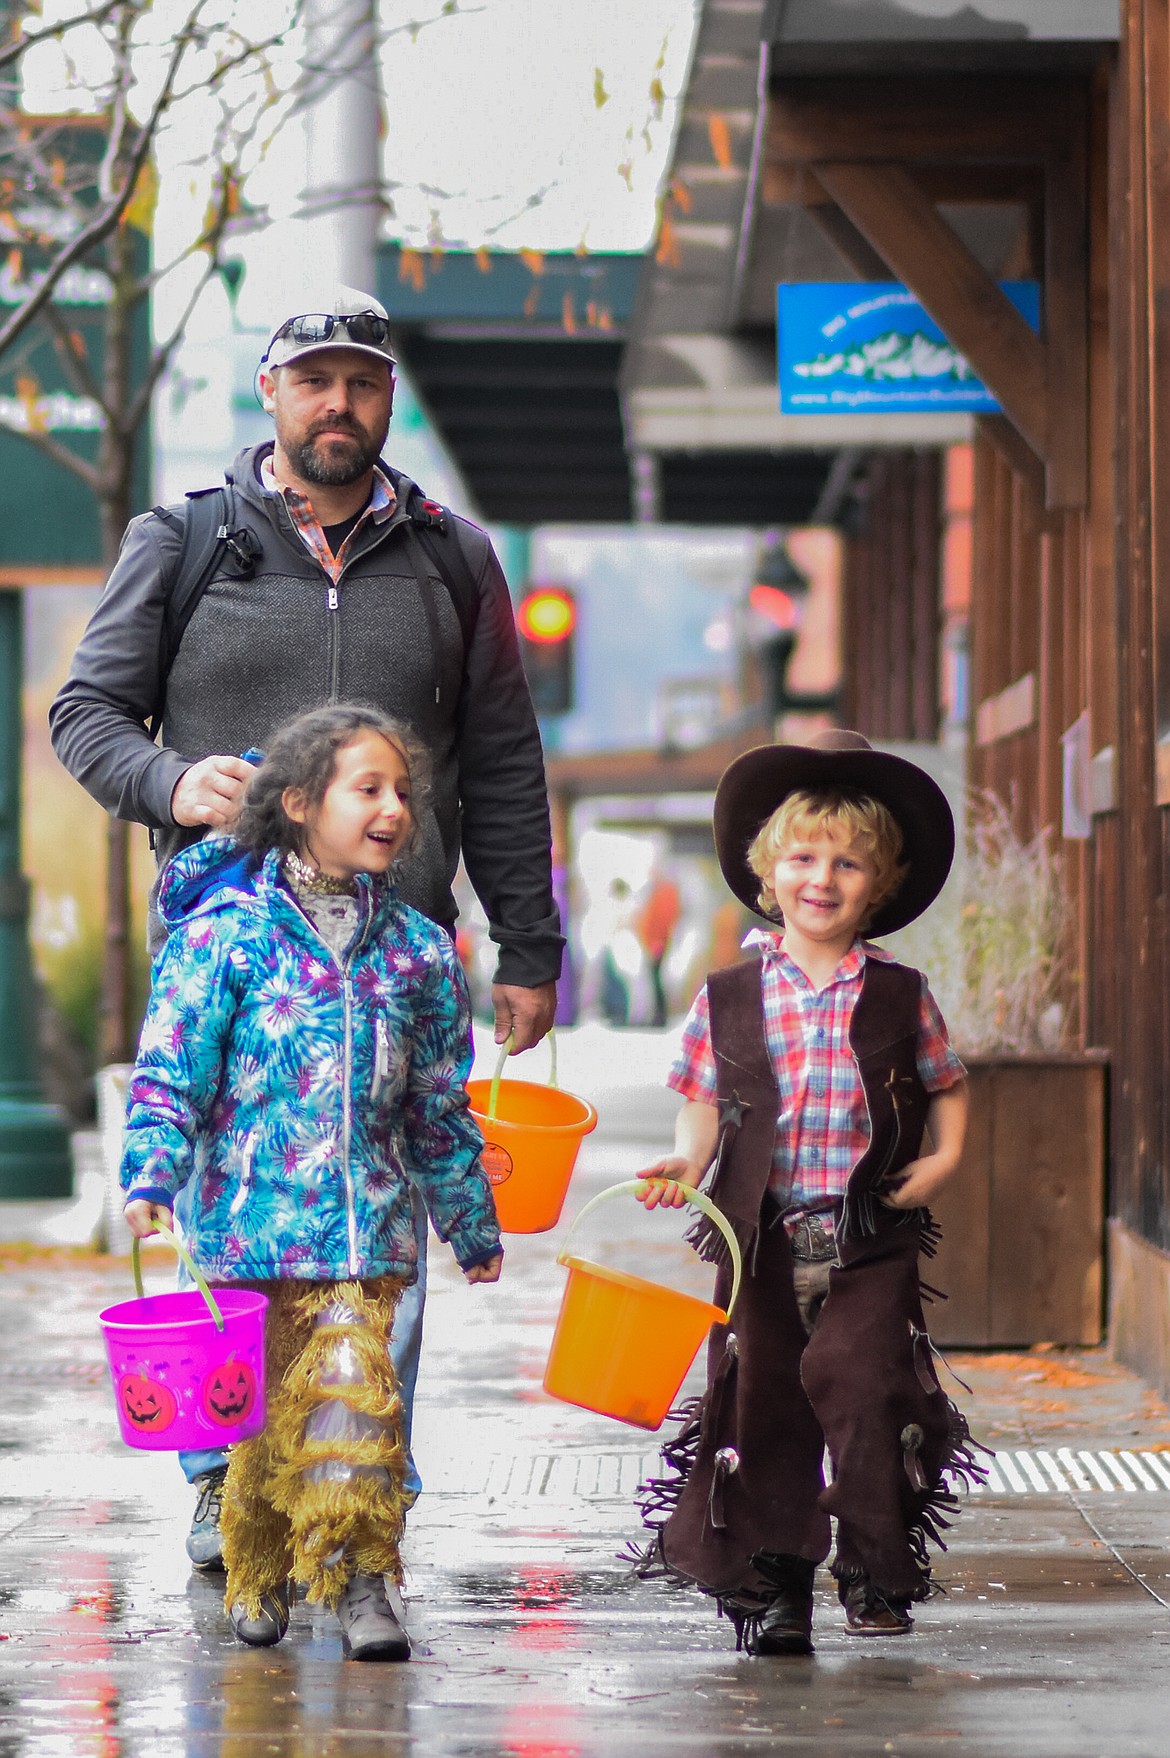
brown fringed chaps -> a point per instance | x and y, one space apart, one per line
745 1479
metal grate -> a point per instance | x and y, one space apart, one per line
1065 1470
567 1476
564 1477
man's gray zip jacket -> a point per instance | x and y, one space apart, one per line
258 651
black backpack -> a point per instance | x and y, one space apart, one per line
211 535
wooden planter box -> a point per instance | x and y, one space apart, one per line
1023 1218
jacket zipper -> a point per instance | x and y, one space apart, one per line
288 529
332 605
241 1195
346 1089
347 1121
381 1056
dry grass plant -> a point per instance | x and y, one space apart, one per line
996 946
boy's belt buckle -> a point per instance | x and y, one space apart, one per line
809 1240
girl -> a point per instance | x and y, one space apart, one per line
302 1060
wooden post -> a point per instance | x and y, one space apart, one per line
1139 928
926 592
116 464
900 577
34 1138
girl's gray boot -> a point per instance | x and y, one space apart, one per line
369 1628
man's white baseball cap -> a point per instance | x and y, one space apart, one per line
347 318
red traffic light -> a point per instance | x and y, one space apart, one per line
547 614
777 605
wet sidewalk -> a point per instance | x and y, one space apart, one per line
531 1641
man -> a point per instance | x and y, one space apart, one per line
343 603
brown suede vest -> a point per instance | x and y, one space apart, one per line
883 1037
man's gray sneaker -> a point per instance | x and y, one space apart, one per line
369 1628
270 1626
204 1541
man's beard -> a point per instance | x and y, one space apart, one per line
342 467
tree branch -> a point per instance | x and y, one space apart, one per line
75 366
106 222
52 448
29 39
160 358
247 52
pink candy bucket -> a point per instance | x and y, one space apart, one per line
188 1368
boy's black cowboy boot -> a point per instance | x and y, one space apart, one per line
871 1613
204 1541
369 1628
786 1626
272 1623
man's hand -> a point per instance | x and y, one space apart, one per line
211 792
141 1217
489 1272
527 1012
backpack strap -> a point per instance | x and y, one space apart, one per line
210 535
434 527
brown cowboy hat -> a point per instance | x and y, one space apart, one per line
752 787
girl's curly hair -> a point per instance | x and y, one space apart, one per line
302 754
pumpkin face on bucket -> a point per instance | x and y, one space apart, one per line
229 1392
148 1405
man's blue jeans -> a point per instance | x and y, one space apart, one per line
405 1344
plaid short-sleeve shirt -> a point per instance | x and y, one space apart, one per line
823 1126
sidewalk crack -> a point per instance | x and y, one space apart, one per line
1100 1536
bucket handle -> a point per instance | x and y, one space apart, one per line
692 1196
505 1052
185 1257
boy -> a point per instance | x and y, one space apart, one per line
810 1076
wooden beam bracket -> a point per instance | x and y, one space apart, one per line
884 157
906 230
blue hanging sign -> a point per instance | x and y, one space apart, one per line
869 345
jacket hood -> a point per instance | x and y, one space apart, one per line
216 870
217 873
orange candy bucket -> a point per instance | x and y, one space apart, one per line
532 1135
623 1346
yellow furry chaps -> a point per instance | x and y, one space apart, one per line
318 1496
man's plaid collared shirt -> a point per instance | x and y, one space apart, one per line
823 1126
383 502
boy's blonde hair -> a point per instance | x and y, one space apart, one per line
854 818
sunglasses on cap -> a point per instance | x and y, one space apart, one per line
315 327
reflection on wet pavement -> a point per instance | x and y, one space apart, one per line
531 1639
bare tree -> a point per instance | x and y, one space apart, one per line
77 188
131 80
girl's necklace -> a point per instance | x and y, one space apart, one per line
307 878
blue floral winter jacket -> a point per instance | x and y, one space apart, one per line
282 1099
